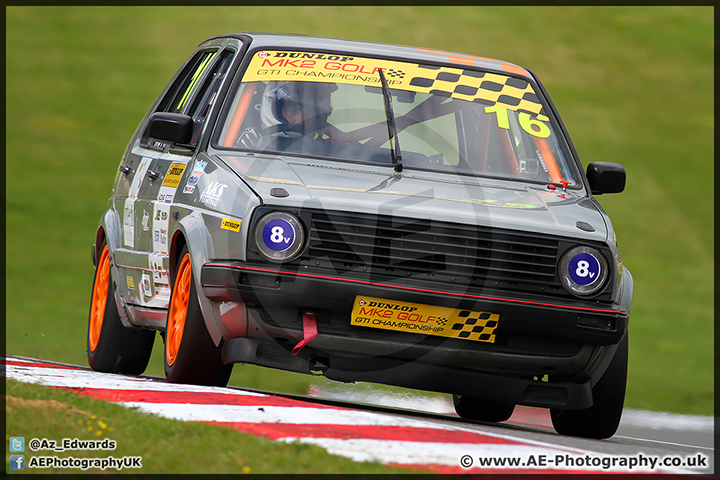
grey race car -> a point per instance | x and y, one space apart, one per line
367 212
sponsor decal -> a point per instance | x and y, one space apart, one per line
173 175
212 193
307 66
161 216
498 92
146 221
160 238
129 206
160 274
130 282
170 183
160 281
426 319
162 292
195 176
138 178
232 225
306 55
129 223
145 288
166 197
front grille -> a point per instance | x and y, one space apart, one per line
404 247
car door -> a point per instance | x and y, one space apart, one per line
151 174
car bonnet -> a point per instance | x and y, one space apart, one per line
378 189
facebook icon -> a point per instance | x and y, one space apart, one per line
17 462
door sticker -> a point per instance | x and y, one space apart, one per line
160 275
195 176
138 178
171 182
212 193
129 207
230 224
129 223
161 214
145 287
145 221
160 279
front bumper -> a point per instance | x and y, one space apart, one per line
570 343
279 289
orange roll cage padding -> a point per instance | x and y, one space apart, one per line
509 152
549 158
239 115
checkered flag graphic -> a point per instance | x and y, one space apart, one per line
392 73
476 326
481 87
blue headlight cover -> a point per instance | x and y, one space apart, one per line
583 270
279 236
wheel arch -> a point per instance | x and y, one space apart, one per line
110 229
625 290
608 352
192 232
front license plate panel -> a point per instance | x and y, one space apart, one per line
399 316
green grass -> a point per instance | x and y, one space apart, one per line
634 85
166 446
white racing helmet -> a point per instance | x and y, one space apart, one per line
311 98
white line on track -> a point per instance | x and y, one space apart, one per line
668 421
270 414
661 442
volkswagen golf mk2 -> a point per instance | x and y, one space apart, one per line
367 212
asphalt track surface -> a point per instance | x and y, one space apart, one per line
410 431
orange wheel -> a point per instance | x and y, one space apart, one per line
178 310
191 356
111 346
99 299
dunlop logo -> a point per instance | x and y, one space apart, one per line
232 225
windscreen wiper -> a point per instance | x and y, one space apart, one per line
392 129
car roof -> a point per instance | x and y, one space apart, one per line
367 48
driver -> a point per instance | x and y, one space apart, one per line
296 109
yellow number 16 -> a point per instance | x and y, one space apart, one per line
533 126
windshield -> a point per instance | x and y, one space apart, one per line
452 120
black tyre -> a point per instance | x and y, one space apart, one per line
112 347
190 354
603 418
473 408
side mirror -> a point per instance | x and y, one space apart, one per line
606 177
171 127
